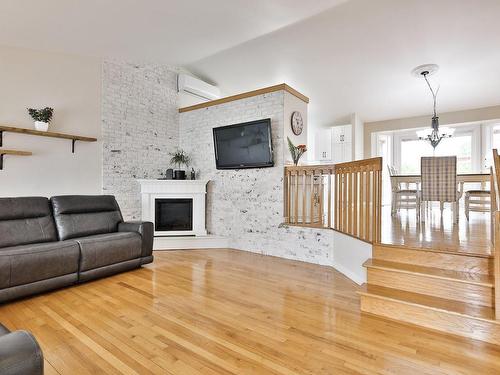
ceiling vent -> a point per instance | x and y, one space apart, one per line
197 87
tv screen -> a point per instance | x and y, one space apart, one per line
246 145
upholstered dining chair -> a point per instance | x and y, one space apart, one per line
439 182
403 197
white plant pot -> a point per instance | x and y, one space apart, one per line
41 126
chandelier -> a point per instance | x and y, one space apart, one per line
434 134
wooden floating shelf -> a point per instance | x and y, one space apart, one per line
12 152
38 133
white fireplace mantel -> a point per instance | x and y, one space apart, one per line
173 189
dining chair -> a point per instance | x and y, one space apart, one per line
477 200
439 182
402 197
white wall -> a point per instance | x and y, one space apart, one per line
72 86
349 254
292 104
357 136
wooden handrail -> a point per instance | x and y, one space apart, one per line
346 197
495 233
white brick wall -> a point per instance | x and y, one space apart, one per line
247 205
140 126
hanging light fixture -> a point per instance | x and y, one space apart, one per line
434 134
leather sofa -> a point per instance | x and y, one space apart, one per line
47 244
20 353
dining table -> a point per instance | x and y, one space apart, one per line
462 179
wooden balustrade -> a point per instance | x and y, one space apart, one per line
308 199
358 199
495 233
346 197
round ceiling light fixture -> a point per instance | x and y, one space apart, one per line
425 70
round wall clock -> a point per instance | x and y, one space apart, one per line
297 123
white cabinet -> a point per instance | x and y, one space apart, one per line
334 145
342 144
323 145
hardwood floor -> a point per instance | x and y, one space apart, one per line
471 236
232 312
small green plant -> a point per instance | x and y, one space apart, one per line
180 158
43 115
296 151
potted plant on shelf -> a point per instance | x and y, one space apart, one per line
180 158
42 117
296 151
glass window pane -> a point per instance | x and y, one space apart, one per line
411 152
459 145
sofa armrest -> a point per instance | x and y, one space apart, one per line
145 229
20 354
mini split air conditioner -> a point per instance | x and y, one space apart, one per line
197 87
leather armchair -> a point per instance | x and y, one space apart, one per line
20 353
146 230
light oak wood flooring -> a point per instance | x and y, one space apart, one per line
231 312
438 232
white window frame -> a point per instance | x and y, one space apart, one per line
473 129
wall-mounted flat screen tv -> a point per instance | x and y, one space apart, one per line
245 145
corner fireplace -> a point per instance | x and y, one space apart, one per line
176 207
174 214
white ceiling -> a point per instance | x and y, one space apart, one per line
169 31
357 57
347 56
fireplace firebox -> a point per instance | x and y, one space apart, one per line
174 214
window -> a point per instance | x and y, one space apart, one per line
465 144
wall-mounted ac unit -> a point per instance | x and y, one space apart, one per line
197 87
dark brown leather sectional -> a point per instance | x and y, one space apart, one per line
20 353
47 244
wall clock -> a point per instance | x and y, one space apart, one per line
297 123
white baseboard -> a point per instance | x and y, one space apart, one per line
195 242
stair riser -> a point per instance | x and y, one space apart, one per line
446 261
431 318
422 284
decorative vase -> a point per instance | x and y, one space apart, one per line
41 126
179 174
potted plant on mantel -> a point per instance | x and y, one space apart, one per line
42 117
179 158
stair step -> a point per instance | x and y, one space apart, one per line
458 261
462 308
466 277
455 285
473 321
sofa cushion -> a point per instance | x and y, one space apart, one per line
110 248
85 215
29 263
26 220
3 330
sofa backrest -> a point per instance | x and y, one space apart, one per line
85 215
26 220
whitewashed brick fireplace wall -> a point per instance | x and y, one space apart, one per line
140 126
246 205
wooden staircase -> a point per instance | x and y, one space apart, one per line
447 291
